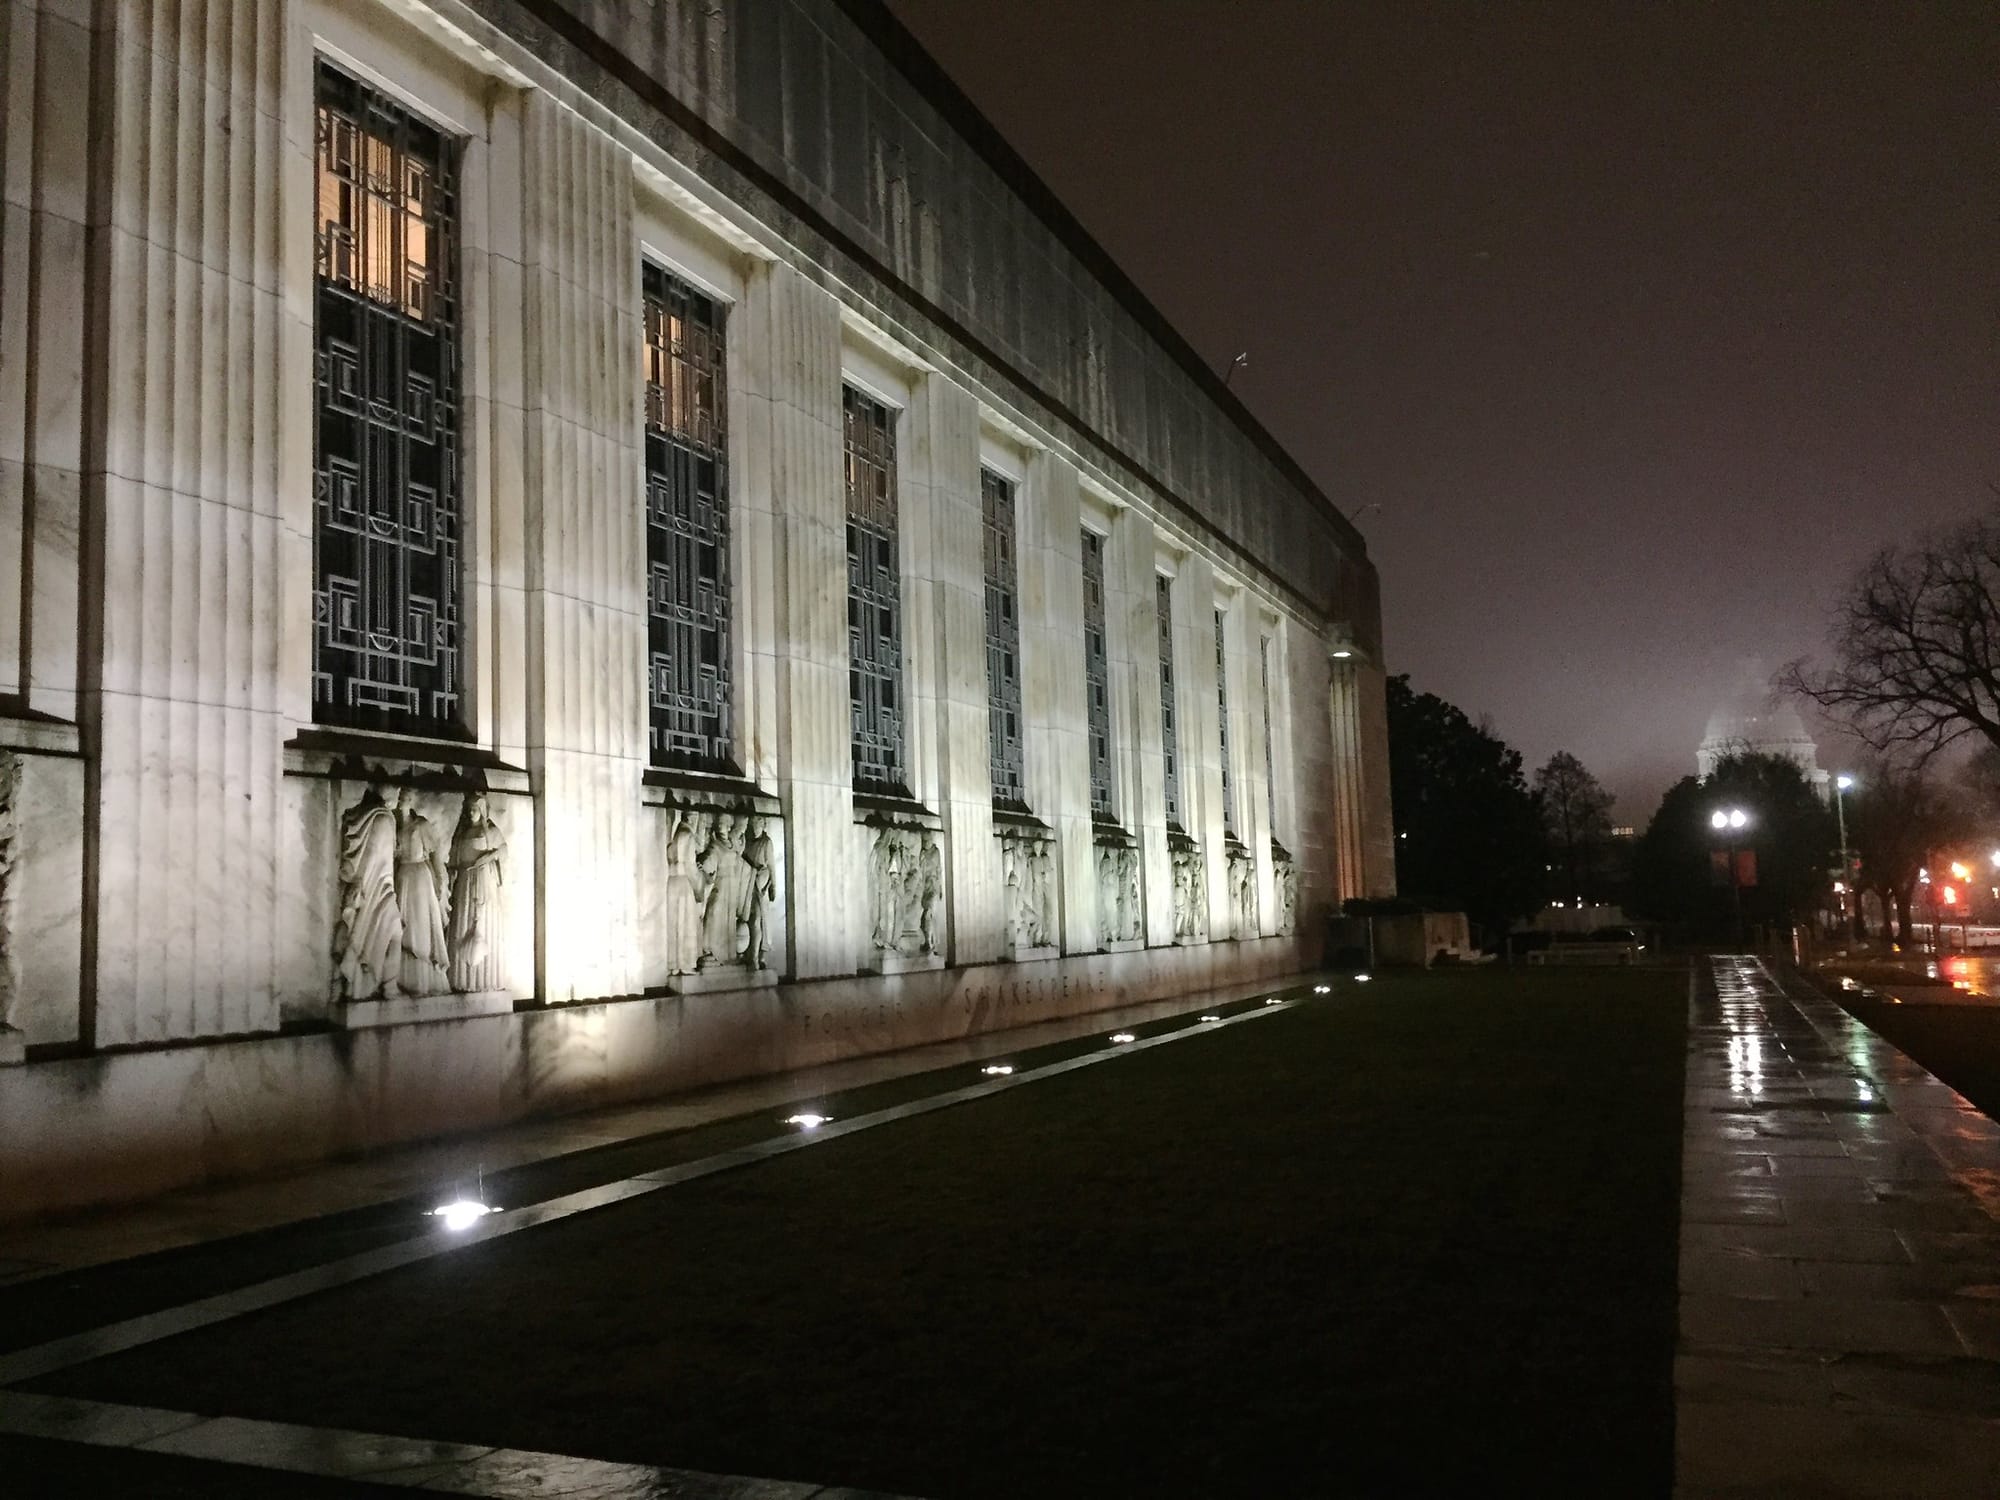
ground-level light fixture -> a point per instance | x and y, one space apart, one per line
997 1070
808 1121
1362 978
462 1213
1322 989
1273 1000
1211 1018
1122 1037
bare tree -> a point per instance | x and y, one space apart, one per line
1917 642
1900 813
1576 814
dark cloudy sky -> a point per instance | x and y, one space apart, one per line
1641 323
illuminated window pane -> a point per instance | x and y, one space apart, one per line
1222 729
874 597
1096 676
1003 640
1163 598
386 567
687 527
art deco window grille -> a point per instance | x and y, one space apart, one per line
1163 597
1222 729
687 527
386 565
1270 764
1003 640
1096 675
874 597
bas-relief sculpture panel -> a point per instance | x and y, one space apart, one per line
422 910
1119 917
1027 872
721 883
906 890
41 874
1190 895
1285 885
1241 881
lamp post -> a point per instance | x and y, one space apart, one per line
1841 784
1730 822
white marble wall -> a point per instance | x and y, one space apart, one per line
181 698
179 813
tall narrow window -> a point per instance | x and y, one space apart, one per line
1003 641
687 528
1222 729
1163 603
386 583
1096 675
1270 763
874 597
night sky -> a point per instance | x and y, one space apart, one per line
1641 324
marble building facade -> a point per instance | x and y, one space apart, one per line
555 551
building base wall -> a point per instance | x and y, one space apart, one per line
123 1125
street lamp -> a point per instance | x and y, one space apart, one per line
1841 785
1729 822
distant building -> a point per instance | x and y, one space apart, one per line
1754 719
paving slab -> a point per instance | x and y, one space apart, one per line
1840 1258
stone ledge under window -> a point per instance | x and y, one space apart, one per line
667 787
357 755
1019 822
902 812
38 733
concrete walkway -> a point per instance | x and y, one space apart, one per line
1840 1259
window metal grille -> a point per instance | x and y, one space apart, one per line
1163 596
1270 764
386 566
1222 729
687 527
874 596
1096 675
1003 640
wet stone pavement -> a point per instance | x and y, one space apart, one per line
1839 1259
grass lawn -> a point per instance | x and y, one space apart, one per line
1412 1237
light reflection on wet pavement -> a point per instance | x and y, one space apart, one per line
1840 1258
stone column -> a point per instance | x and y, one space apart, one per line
944 630
1133 608
1200 737
585 549
182 701
1378 834
792 474
1057 748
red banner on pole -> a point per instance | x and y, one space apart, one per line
1746 867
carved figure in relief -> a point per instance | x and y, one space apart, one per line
886 891
1242 875
478 920
368 935
728 876
421 885
1190 895
10 793
1042 862
759 855
930 888
683 901
1287 892
1013 866
1117 893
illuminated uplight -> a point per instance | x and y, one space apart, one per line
1122 1037
997 1070
1211 1018
808 1122
1363 978
1342 655
1322 989
1272 1000
461 1213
